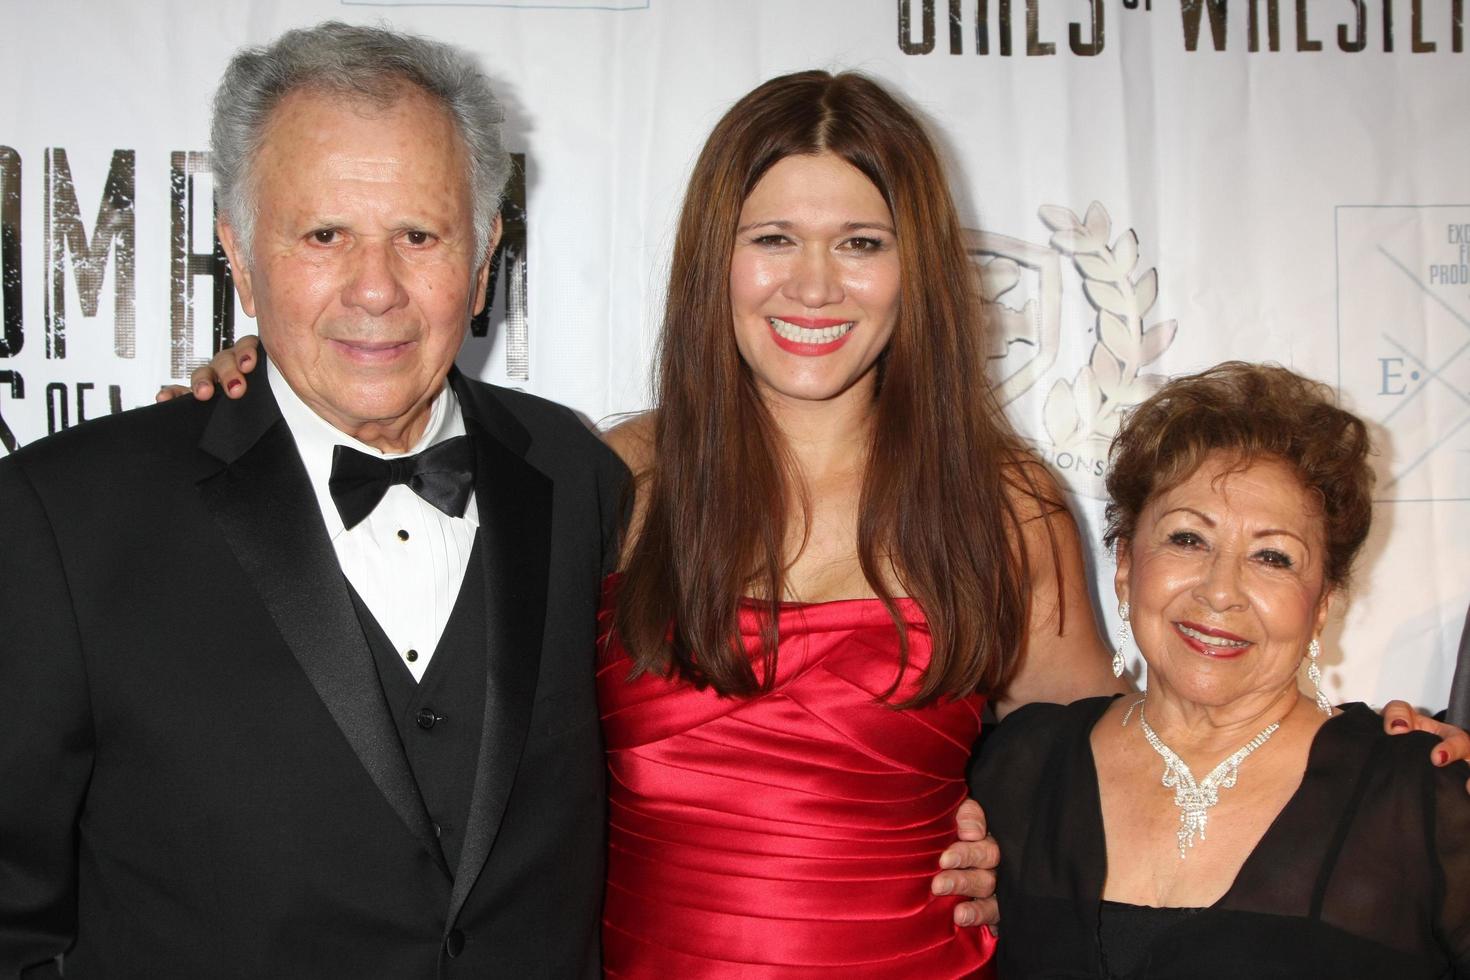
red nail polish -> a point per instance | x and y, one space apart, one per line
1399 725
1441 757
233 384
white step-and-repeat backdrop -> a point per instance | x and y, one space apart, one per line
1153 185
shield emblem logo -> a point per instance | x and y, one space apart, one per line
1077 396
1021 287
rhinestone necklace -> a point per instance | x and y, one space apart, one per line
1194 799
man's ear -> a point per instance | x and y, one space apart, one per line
239 268
482 274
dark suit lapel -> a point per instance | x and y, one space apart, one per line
263 503
514 501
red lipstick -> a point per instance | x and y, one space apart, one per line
1207 649
802 348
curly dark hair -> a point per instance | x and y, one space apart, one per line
1254 411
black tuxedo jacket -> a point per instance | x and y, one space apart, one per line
199 775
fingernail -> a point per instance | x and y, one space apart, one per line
1398 724
963 915
948 861
246 360
943 887
1441 757
232 385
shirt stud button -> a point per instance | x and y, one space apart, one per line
411 656
402 535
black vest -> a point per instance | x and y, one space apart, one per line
440 717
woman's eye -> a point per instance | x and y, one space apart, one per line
1277 559
1186 539
864 245
770 241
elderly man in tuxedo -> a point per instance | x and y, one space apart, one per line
386 762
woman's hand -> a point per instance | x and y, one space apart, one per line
228 368
1454 745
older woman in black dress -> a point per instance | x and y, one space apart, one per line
1286 838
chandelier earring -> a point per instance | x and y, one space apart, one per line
1314 674
1125 635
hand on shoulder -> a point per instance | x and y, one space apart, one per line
1400 718
227 370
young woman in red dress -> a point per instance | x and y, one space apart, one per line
838 549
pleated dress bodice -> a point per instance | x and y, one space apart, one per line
791 834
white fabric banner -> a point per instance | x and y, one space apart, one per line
1153 186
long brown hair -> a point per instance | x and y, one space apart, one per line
943 465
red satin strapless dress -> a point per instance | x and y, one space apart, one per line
792 834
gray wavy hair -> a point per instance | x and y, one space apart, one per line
370 63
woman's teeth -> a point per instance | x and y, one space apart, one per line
1212 641
808 335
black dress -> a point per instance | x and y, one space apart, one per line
1364 873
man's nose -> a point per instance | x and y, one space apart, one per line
815 279
374 283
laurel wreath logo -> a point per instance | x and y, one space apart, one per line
1088 408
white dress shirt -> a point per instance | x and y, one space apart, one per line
407 558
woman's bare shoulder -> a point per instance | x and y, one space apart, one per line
632 439
1064 658
1033 491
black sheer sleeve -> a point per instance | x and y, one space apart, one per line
1016 764
1038 786
1002 776
1450 838
1376 847
1010 752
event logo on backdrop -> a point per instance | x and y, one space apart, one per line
1205 25
70 252
1031 329
1403 328
89 276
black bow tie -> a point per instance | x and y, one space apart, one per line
443 474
